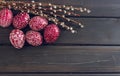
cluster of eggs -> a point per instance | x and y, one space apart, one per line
33 36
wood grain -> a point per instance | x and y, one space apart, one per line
55 59
59 75
93 51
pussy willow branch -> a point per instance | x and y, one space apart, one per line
54 13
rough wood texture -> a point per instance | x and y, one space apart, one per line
60 75
93 51
55 59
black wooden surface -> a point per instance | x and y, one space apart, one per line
93 51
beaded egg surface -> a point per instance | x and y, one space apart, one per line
20 21
38 23
34 38
17 38
6 17
51 33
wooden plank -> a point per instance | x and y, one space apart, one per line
100 8
60 59
103 8
59 74
102 28
96 31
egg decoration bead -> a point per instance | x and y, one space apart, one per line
38 23
17 38
51 33
6 17
21 20
34 38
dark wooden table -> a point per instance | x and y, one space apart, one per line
93 51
